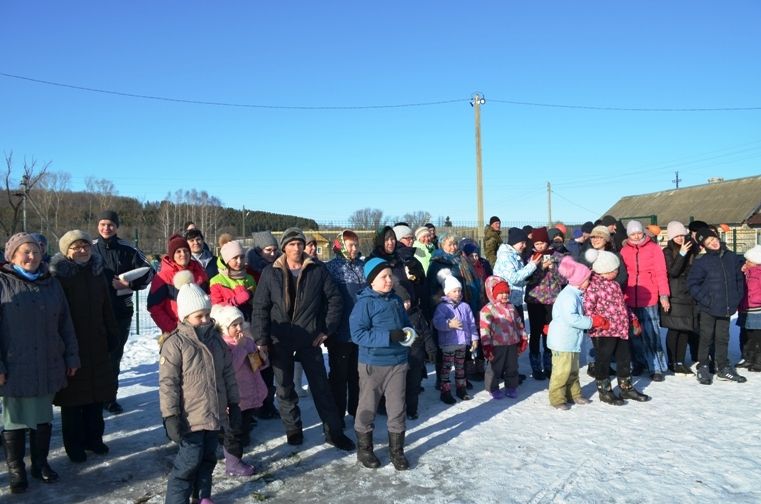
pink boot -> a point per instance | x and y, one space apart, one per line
235 467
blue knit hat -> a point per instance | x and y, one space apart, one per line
373 267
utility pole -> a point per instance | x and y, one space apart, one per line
677 179
243 222
24 195
476 101
549 204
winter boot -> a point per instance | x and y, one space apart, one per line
295 437
338 439
14 442
547 362
681 370
365 454
234 466
704 375
536 366
511 392
730 374
39 446
606 393
629 392
591 369
396 450
446 394
462 394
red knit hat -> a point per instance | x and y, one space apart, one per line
540 235
175 242
500 288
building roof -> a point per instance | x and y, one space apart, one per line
731 202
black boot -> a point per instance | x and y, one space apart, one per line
396 450
14 442
606 393
446 394
629 392
365 454
462 393
39 445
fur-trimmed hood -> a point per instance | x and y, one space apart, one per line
64 267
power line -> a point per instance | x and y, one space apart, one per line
625 109
228 104
365 107
593 212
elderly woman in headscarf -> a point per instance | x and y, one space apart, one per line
84 283
38 351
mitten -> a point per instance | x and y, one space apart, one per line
600 322
523 345
397 335
234 417
637 327
173 428
242 295
488 351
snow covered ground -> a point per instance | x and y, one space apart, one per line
691 443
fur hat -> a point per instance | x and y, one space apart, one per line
703 234
674 229
516 235
225 315
70 237
373 267
575 273
190 298
401 231
634 226
421 231
109 215
540 235
264 239
292 234
15 241
175 243
231 249
753 254
602 261
600 232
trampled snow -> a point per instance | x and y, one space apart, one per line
691 443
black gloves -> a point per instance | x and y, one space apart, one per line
397 335
235 418
173 428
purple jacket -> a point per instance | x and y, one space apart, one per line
447 310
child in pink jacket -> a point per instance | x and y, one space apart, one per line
749 316
251 387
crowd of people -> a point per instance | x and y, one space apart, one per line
240 328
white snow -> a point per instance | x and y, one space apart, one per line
691 443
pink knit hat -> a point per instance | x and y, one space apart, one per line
574 272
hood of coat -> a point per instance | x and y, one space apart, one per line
645 241
64 267
489 287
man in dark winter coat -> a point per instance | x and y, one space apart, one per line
200 252
297 306
119 256
717 283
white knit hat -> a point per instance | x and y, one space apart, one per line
602 261
674 229
634 226
450 284
401 231
225 315
190 298
754 254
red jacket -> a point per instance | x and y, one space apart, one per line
646 267
162 298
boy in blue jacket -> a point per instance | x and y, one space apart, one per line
377 323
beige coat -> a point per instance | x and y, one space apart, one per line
196 378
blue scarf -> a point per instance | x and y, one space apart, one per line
26 274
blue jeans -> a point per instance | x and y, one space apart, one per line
193 466
647 350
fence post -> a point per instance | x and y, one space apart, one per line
137 293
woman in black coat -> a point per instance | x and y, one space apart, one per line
84 283
682 318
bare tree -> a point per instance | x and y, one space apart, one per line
366 218
103 190
48 197
416 219
18 192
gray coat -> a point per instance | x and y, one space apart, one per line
196 378
37 339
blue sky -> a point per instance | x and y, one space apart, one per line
327 163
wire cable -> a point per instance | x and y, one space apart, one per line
624 109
